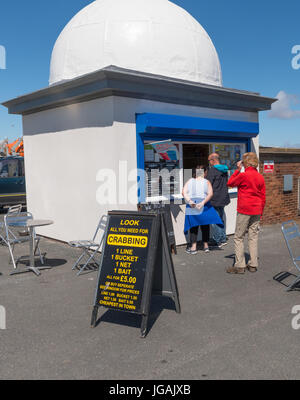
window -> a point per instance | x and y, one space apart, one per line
9 168
230 154
21 168
165 177
163 173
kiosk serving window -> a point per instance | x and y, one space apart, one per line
163 172
167 170
230 154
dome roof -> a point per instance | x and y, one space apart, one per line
154 36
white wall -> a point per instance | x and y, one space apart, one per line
125 110
62 165
67 146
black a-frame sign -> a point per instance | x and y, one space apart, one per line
136 263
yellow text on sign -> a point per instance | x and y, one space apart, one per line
127 241
130 223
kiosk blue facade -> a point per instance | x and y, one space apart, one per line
184 129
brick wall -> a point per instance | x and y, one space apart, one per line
280 206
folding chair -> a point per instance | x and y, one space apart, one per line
290 231
12 238
89 247
11 211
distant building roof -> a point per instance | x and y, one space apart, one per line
278 150
286 155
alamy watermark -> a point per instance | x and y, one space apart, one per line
2 318
2 57
296 319
122 187
296 58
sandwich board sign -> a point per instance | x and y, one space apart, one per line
136 263
166 209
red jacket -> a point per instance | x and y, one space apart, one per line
251 191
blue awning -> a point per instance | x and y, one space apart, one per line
181 125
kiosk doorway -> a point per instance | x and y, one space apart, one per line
194 154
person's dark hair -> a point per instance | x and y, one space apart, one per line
199 170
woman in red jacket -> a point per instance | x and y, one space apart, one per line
251 203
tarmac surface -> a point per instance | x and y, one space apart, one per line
231 326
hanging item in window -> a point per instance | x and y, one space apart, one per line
162 169
166 150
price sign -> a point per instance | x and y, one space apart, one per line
123 270
136 263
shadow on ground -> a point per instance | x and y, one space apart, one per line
158 304
49 262
284 278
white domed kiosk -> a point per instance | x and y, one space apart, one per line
125 74
154 36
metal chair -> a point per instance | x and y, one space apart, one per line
290 232
19 220
11 211
89 247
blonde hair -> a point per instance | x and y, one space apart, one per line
250 160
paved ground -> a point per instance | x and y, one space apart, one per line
231 327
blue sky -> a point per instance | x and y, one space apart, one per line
254 40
